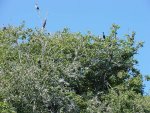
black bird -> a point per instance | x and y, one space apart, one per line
39 64
116 34
37 7
104 36
133 35
44 23
4 28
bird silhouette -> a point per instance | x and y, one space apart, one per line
4 28
104 36
37 7
133 35
44 23
39 64
116 34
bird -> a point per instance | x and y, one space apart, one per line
37 7
104 36
133 35
4 28
44 23
39 64
116 34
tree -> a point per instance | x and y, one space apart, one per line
70 72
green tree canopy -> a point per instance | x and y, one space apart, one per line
70 72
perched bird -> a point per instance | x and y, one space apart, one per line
39 64
133 35
44 23
4 28
37 7
116 34
104 36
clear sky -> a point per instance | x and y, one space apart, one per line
83 15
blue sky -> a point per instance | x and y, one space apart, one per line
83 15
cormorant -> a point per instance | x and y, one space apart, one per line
133 35
44 23
39 64
116 34
37 7
104 36
4 28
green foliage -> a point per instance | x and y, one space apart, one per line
69 72
119 102
6 108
